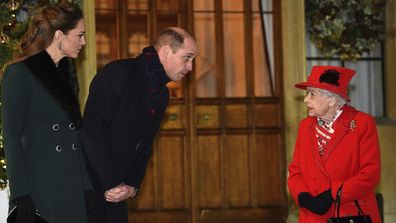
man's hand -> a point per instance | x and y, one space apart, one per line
120 193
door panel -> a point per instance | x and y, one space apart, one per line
268 169
236 116
237 178
174 117
207 116
146 200
268 115
171 172
209 171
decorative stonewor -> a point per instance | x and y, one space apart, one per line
345 28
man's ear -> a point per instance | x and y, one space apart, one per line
166 51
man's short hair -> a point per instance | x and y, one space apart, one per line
170 37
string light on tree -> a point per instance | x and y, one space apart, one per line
4 38
13 5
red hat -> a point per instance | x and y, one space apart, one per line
331 78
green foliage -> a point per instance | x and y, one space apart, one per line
15 16
346 28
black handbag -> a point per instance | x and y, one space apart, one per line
13 213
360 218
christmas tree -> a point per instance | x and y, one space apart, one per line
15 16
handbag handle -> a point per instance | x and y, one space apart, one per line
338 204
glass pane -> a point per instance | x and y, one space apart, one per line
137 34
311 49
168 5
269 40
262 73
376 52
205 69
266 5
365 88
106 44
234 55
103 48
233 5
203 5
166 20
136 42
137 4
105 4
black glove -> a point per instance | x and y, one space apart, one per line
90 200
326 198
26 210
319 204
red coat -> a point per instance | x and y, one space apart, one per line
352 158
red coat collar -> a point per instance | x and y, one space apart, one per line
342 127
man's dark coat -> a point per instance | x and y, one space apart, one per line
123 112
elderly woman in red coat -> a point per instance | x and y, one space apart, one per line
336 146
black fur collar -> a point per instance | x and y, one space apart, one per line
60 82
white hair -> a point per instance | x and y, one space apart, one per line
340 100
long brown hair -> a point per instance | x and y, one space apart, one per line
62 16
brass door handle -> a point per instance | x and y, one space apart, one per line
172 117
206 116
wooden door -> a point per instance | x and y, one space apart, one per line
219 155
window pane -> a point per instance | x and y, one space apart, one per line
103 48
232 5
234 55
261 60
106 44
269 40
105 4
137 34
166 20
167 5
266 5
203 5
366 85
205 68
376 52
137 4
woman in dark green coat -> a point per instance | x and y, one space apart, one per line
41 120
